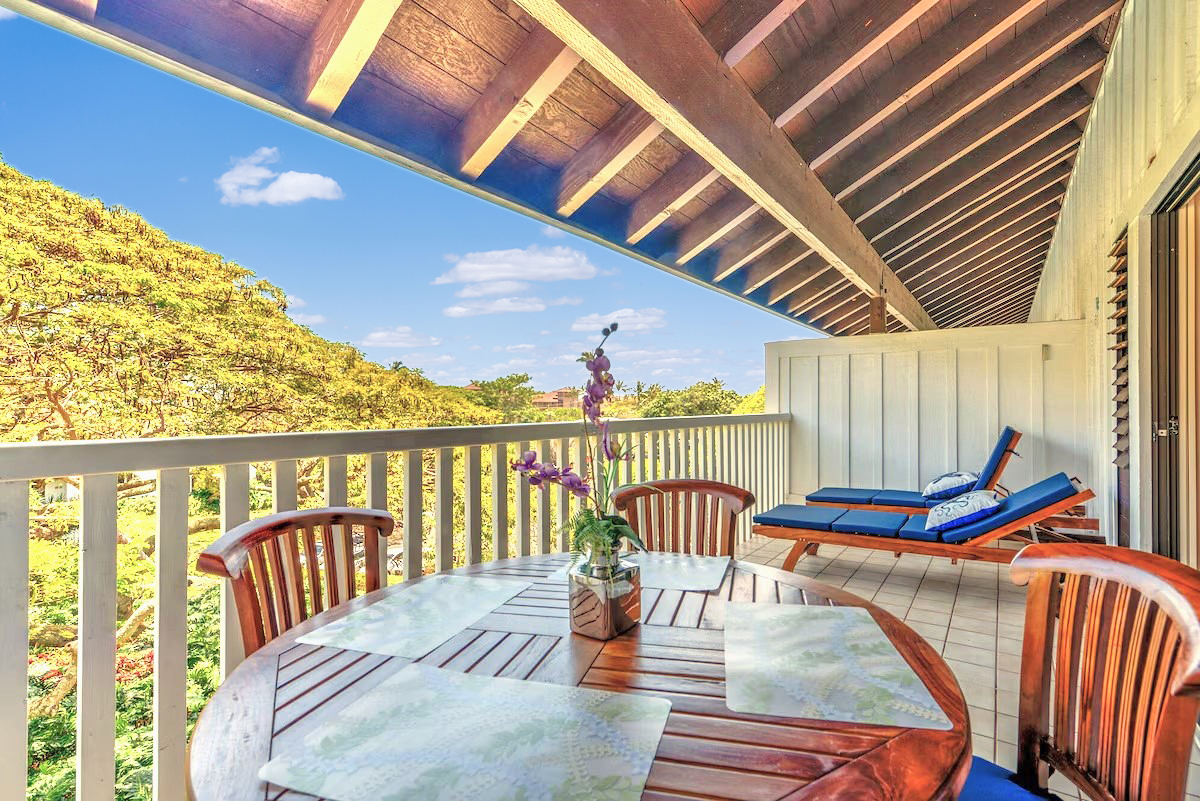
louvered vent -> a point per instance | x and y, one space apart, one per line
1119 320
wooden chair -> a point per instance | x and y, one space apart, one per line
684 515
1119 631
279 576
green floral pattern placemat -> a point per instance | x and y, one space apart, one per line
821 663
673 571
419 618
428 734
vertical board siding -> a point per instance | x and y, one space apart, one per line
896 410
14 637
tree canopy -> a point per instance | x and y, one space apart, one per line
703 397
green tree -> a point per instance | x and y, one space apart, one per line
754 403
510 395
703 397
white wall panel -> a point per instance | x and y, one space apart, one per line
895 410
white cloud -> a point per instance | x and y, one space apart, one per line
249 182
629 319
6 14
534 263
475 347
756 373
544 333
662 356
552 232
474 308
402 336
309 319
663 371
512 363
423 359
514 348
294 302
485 288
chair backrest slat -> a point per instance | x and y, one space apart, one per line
1121 631
267 571
684 515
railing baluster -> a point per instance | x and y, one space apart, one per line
564 498
523 527
473 503
500 501
377 498
443 504
170 635
655 466
235 510
543 504
336 494
414 514
96 694
640 455
14 638
726 454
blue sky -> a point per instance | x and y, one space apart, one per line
400 265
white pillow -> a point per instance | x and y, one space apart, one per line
966 508
949 485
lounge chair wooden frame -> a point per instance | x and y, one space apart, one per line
1009 452
807 540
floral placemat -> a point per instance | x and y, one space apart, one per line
673 571
821 663
439 735
419 618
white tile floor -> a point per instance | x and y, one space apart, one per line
970 612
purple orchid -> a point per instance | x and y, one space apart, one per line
527 463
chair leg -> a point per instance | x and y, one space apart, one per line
800 548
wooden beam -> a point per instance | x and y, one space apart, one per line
674 189
711 111
1019 58
604 155
737 28
717 220
1049 125
336 51
773 263
533 72
925 65
823 285
877 311
759 238
870 27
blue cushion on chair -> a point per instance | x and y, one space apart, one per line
990 782
860 521
903 498
842 495
1028 501
793 515
914 529
993 463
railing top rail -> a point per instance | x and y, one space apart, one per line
28 461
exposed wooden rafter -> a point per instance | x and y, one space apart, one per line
336 51
713 113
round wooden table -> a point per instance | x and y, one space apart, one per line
707 751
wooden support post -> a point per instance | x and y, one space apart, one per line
877 306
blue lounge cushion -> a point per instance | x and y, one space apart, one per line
1003 445
966 508
903 498
988 781
818 518
914 529
861 521
842 495
1020 504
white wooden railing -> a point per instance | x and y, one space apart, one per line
747 450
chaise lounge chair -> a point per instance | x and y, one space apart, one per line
907 501
811 526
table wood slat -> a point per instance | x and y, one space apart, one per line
708 752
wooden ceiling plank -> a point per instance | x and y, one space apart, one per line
852 304
954 239
1025 286
952 299
773 263
822 286
968 200
1030 51
739 27
539 65
838 54
690 176
930 62
335 53
843 291
760 238
1000 236
1003 285
713 223
955 277
1048 127
807 271
711 111
604 155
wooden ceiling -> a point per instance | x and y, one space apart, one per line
808 156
